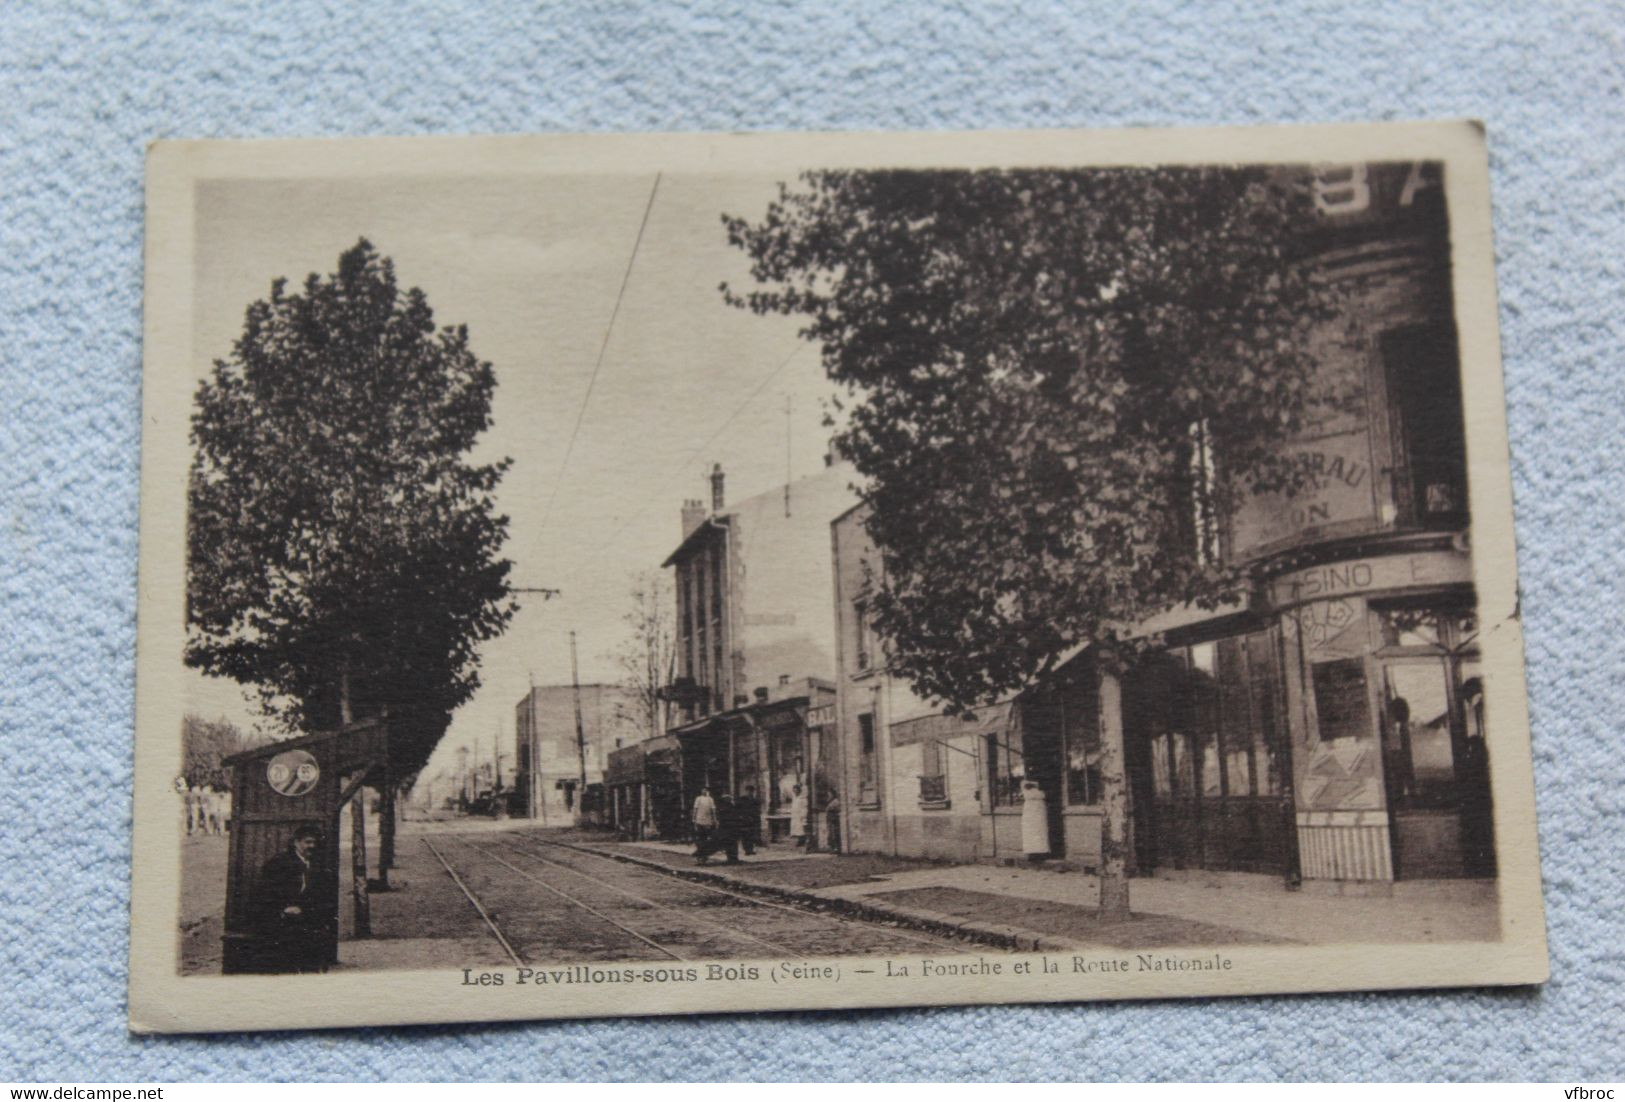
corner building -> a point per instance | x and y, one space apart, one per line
1328 725
752 686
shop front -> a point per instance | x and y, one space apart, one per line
1334 733
645 790
1208 763
774 751
1385 689
706 757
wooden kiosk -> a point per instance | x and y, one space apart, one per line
276 790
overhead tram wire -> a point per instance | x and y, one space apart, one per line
706 443
598 364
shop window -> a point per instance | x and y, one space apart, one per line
1162 775
1184 777
933 773
1080 730
1420 750
745 759
1201 700
868 787
1223 727
1236 718
1264 677
1006 771
1423 372
1340 699
1433 710
1427 628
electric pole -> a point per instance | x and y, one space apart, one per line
535 805
581 734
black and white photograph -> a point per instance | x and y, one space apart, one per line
662 574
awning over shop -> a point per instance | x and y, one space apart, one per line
650 759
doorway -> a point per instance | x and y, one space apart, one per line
1435 760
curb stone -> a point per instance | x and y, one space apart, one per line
995 935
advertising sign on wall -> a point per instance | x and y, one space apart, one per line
1340 492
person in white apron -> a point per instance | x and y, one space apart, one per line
798 816
1034 821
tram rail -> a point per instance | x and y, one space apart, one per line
774 947
935 943
485 916
588 907
685 915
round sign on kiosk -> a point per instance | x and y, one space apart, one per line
293 772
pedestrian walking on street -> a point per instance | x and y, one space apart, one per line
196 813
726 838
704 819
750 820
211 810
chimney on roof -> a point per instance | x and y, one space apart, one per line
693 515
716 488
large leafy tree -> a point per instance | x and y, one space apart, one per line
1058 383
204 745
343 551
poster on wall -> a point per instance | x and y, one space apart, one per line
653 574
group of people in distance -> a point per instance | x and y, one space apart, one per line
206 811
726 824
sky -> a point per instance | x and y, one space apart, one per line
533 265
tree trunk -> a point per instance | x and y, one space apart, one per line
1114 902
386 831
358 864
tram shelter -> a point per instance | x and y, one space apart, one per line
277 790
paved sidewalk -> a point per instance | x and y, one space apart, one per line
1045 908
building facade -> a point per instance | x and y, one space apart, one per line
1327 725
753 689
550 761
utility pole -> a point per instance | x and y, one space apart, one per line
787 455
535 804
581 734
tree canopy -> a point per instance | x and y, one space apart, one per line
204 745
342 549
1057 381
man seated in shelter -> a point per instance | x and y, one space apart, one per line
291 916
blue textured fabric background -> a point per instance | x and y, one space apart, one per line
83 89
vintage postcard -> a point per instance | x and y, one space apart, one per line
648 574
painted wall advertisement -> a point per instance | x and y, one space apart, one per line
1340 492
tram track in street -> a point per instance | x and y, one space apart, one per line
775 948
492 875
806 912
485 916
